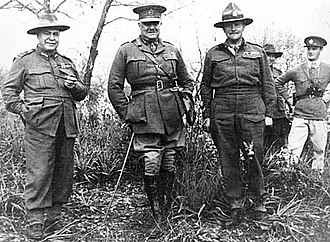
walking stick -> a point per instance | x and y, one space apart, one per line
119 178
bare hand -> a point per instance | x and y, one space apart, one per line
70 82
268 121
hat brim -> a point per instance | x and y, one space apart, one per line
246 21
39 29
276 54
145 20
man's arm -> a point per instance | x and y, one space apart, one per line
116 84
13 86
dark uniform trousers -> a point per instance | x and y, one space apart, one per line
230 127
49 162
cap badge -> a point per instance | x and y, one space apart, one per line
311 41
235 13
151 12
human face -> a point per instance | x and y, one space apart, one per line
150 30
234 31
271 59
49 40
313 52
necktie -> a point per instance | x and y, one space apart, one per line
153 46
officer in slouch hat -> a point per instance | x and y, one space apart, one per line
238 97
159 81
276 135
51 86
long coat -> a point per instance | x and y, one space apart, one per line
147 109
46 100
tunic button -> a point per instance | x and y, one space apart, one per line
158 76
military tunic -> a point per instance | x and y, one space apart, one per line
276 135
153 108
237 92
49 111
310 112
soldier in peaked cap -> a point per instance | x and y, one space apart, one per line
311 81
51 86
159 82
238 96
276 135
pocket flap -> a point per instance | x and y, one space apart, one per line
220 58
39 71
136 58
251 55
254 117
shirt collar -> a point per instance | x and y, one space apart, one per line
45 54
232 48
315 63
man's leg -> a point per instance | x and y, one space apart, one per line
318 136
62 180
40 159
151 147
297 137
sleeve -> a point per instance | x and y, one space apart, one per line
116 82
184 79
279 84
13 86
205 89
268 86
326 94
80 91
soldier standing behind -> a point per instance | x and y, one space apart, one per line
238 95
51 86
310 113
276 135
158 77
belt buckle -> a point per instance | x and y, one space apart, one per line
159 85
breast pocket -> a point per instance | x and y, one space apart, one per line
221 66
136 66
42 78
251 63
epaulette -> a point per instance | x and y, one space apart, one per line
126 42
168 42
65 57
277 70
21 55
254 44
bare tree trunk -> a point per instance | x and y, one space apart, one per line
93 50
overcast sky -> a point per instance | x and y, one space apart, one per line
196 18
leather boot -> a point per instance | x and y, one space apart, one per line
170 178
150 183
35 225
53 218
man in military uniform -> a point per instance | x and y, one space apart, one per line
51 86
310 113
276 135
238 96
158 78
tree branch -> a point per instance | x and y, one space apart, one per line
113 20
93 50
59 5
6 4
